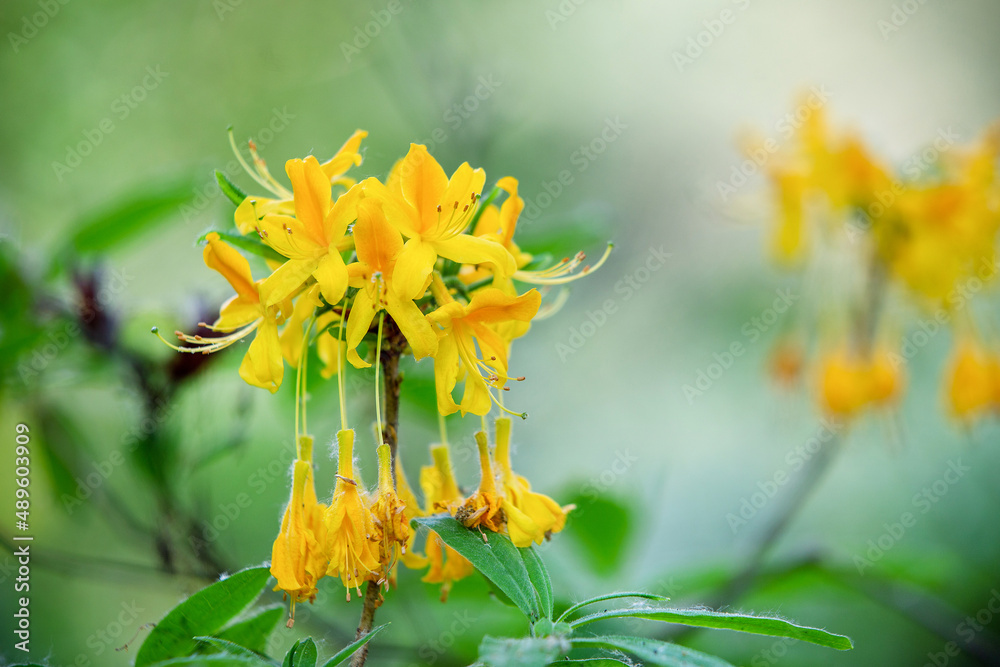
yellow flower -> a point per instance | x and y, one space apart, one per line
297 560
972 381
483 508
531 517
313 238
432 211
350 532
379 246
442 495
253 208
241 315
466 326
849 382
392 528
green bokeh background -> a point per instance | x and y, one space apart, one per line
558 73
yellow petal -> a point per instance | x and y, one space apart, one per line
263 365
238 312
413 324
346 157
311 189
413 267
466 249
359 320
233 266
377 242
423 181
286 280
331 274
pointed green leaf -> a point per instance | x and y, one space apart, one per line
250 243
349 650
132 216
230 648
612 596
254 632
234 194
539 579
497 559
202 614
302 654
703 618
524 652
653 651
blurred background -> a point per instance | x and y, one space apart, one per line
153 474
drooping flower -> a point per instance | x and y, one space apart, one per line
297 557
378 247
849 382
531 517
392 528
351 539
483 508
466 327
240 316
432 212
442 495
972 381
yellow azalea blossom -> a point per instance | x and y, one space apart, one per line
291 338
379 245
531 517
329 348
442 495
432 212
483 508
971 383
849 383
466 326
243 314
297 559
411 510
253 208
350 531
392 528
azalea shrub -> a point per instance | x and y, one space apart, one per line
359 274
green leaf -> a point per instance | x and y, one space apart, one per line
703 618
612 596
254 632
524 652
601 526
593 662
545 627
539 579
302 654
217 660
654 651
134 215
349 650
204 613
249 243
232 649
498 560
234 194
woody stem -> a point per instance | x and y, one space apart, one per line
393 343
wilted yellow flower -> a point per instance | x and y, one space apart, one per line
972 381
483 508
351 539
849 382
531 517
442 495
392 528
297 558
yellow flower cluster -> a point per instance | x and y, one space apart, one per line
424 252
923 239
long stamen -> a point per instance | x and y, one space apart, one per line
261 166
252 172
207 345
562 272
